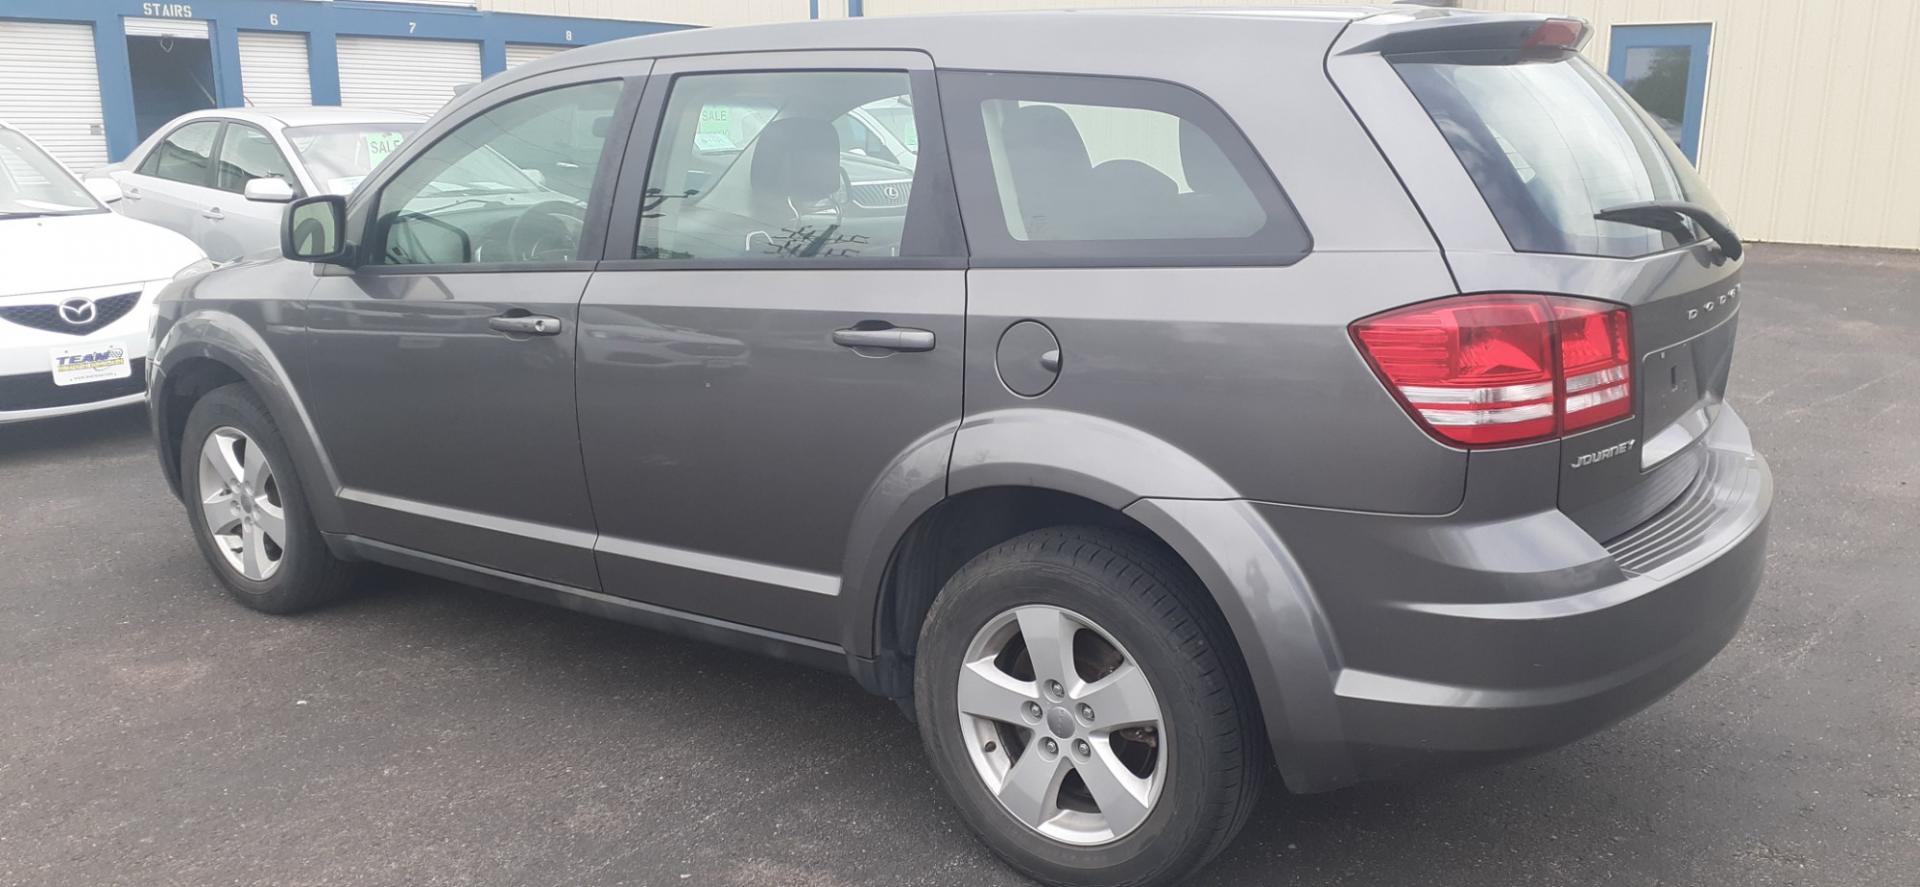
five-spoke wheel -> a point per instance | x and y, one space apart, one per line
1063 725
241 502
248 511
1086 709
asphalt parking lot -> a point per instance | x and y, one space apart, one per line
153 733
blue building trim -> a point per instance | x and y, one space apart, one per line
323 23
856 8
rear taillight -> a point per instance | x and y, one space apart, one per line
1496 370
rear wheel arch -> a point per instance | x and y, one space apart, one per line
955 531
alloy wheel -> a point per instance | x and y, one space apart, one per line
240 498
1062 725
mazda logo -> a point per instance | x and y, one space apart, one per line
78 312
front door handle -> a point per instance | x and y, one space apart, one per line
214 214
130 193
526 324
892 338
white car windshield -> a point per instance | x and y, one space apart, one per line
339 155
32 184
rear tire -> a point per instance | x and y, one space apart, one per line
1118 603
248 509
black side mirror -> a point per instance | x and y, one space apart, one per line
314 230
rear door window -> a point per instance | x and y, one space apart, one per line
185 155
754 167
1067 169
1549 143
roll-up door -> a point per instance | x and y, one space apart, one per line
50 89
520 53
193 29
405 75
273 70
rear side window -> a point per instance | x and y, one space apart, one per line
1550 143
186 155
1067 169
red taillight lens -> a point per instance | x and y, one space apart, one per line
1493 370
1596 363
1558 33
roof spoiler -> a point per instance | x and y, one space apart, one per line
1451 31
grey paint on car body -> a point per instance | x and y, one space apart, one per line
1396 601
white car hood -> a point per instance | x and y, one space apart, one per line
54 253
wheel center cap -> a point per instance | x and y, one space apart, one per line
1060 722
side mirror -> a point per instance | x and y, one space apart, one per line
104 190
268 190
314 230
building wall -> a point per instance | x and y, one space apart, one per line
694 12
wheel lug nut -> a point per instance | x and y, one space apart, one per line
1051 747
1055 690
1032 709
1081 748
1086 712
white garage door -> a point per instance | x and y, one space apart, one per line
405 75
273 70
50 89
521 53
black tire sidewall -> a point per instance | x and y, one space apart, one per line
235 406
1170 839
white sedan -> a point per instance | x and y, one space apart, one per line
77 292
223 177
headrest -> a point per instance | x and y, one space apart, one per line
1208 171
796 158
1044 134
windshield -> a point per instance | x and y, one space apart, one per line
32 184
1550 143
339 155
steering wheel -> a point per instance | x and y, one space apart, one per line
547 231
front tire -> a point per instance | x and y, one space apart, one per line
248 510
1087 711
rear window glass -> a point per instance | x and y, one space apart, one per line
1549 144
1059 169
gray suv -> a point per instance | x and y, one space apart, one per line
1341 391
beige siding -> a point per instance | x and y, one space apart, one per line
692 12
910 7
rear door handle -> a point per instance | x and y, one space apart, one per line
526 324
892 338
214 214
130 193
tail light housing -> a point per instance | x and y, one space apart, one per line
1500 369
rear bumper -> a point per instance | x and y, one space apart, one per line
1464 642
